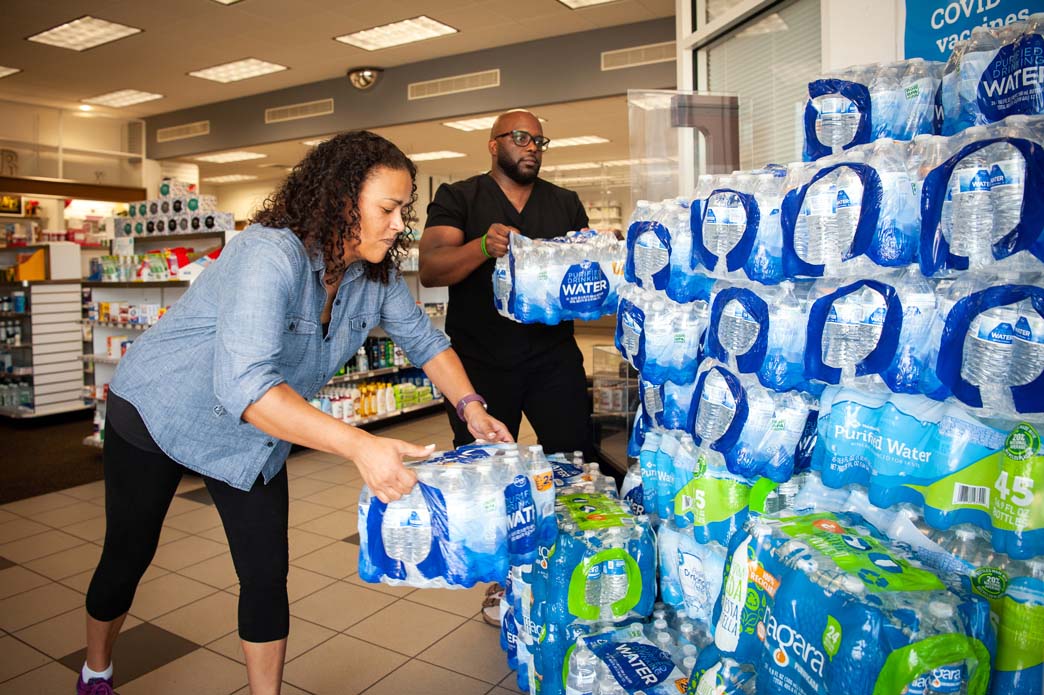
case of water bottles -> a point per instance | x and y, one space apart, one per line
548 281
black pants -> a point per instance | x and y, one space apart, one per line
552 392
139 486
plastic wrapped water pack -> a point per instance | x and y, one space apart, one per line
561 279
962 469
826 603
850 213
982 199
472 512
659 251
736 230
760 330
650 658
862 103
995 73
755 430
991 352
659 337
873 333
690 572
963 557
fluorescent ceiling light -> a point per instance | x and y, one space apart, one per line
86 107
234 156
238 70
83 33
472 124
313 143
440 154
578 4
227 2
4 72
230 178
121 98
397 33
579 140
571 167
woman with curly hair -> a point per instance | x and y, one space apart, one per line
221 386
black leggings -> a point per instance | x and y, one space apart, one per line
139 486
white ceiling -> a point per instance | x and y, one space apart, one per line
606 117
180 36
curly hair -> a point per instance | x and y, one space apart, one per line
311 201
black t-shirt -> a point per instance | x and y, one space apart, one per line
477 331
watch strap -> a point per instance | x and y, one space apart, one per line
463 403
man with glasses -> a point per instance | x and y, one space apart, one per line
533 369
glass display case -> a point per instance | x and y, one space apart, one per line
615 385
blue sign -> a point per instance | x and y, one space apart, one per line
933 27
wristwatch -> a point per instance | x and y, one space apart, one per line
470 398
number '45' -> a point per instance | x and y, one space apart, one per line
1021 490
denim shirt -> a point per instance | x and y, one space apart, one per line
252 321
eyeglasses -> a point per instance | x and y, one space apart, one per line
522 138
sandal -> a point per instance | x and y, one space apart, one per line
491 605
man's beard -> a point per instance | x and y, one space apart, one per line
514 172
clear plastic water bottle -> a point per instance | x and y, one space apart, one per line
613 581
918 86
717 217
1007 185
650 257
853 328
884 101
849 207
406 530
972 211
1027 355
737 329
606 683
815 235
988 347
950 679
830 121
979 52
581 677
716 409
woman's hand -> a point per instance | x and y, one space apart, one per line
379 460
484 426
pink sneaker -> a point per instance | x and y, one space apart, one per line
96 686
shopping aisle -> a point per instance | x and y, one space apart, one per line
346 636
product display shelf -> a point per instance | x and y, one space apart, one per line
359 376
96 364
615 385
396 413
48 354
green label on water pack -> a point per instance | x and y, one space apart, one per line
861 556
1020 636
595 511
1008 485
832 636
709 500
989 582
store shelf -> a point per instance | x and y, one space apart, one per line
100 359
14 314
16 376
120 324
189 236
25 413
22 346
396 413
359 376
135 285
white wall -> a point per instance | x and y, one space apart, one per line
860 31
241 199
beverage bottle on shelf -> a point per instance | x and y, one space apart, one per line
716 408
853 328
631 491
815 233
737 329
606 683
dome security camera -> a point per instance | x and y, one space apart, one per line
364 78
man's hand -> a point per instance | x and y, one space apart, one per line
380 462
497 239
482 425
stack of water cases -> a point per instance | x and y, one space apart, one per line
861 335
996 73
178 210
561 279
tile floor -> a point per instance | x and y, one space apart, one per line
346 636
